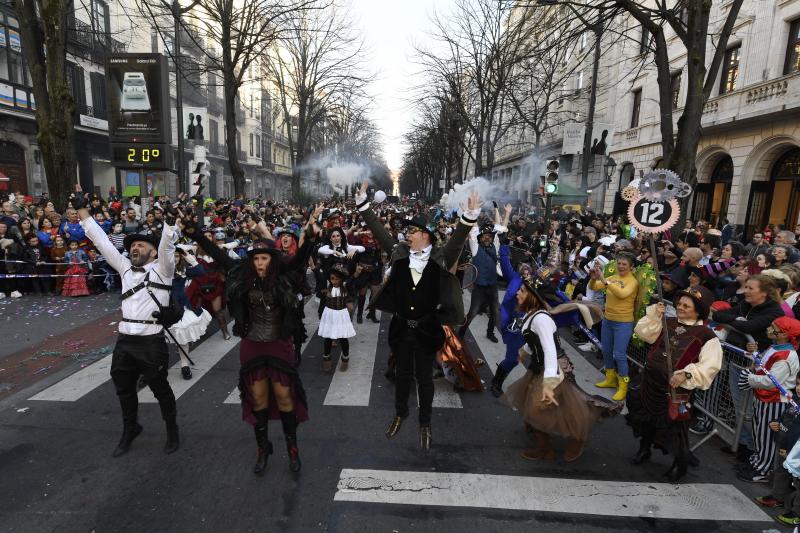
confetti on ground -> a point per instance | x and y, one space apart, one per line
23 409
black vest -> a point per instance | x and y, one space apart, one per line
415 302
535 344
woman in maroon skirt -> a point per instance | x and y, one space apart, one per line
266 313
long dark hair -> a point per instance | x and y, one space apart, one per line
341 233
251 278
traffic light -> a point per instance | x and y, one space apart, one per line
551 176
200 172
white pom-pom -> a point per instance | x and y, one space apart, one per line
380 196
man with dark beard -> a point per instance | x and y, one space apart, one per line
141 348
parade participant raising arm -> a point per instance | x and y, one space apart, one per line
265 308
141 348
423 295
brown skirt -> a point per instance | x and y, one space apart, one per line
572 418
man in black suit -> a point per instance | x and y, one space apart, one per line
424 294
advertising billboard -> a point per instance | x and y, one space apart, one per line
138 96
139 121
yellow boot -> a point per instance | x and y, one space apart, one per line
610 382
622 390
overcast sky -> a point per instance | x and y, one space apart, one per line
390 27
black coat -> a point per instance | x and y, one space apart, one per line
751 320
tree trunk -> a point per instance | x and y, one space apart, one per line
231 130
44 45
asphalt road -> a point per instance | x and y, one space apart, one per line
57 473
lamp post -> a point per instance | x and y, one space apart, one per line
183 184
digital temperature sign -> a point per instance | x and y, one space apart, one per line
142 155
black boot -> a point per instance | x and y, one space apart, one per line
173 437
371 316
643 454
677 470
500 375
289 421
264 445
129 432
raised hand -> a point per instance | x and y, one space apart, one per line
474 201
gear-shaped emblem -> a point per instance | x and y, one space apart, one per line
629 193
661 185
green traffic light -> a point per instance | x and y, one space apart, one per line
551 188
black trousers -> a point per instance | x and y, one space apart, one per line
483 296
147 355
414 361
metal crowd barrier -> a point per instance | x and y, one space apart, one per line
724 403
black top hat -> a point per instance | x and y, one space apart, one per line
422 222
678 276
133 237
263 246
486 228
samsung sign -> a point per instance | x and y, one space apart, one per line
139 118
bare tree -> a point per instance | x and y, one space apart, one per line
690 21
43 31
473 58
316 59
234 37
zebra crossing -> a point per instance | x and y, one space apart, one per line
348 389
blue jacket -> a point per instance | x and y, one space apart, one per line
508 308
485 260
75 231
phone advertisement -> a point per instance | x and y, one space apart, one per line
138 96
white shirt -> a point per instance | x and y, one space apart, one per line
544 327
140 305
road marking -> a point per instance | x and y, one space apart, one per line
352 387
311 321
205 356
79 384
688 501
493 353
444 395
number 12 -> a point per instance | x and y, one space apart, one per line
652 212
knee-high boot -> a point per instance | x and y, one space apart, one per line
289 420
223 325
262 440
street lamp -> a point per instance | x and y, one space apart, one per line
610 167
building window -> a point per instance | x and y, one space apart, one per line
579 81
675 89
730 70
637 107
582 42
644 43
793 49
251 145
258 145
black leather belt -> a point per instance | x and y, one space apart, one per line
413 324
133 321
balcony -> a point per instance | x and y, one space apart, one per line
753 102
83 41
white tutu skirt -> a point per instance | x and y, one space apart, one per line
191 327
336 324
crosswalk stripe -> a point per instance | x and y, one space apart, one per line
352 387
79 384
311 321
687 501
205 356
444 395
493 353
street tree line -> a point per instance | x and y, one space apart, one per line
495 72
307 48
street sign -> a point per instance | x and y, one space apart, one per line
139 111
648 216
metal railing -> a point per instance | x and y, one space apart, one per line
724 403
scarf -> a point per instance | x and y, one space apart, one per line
419 260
